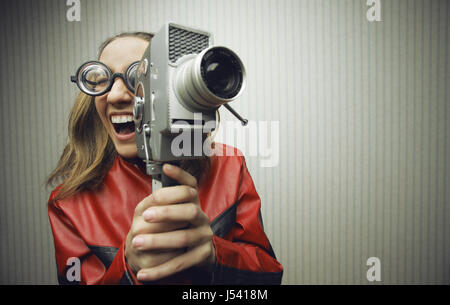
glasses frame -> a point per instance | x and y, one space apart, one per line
112 77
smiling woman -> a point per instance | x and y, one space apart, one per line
105 214
120 55
91 149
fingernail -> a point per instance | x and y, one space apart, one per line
138 242
168 166
149 214
193 191
141 276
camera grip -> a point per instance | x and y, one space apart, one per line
167 181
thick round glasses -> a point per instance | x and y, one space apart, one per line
95 78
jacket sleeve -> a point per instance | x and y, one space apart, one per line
76 261
243 252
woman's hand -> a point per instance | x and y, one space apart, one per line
170 232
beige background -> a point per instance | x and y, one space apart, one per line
363 126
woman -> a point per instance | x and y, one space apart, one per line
206 230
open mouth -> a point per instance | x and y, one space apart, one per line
123 123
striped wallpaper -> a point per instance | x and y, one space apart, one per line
358 112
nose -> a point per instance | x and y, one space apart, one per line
119 93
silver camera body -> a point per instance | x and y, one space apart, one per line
182 80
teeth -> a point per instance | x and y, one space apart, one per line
117 118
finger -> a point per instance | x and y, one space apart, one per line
154 258
172 240
183 212
182 262
143 205
174 194
180 175
140 226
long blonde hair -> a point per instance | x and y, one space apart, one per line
90 153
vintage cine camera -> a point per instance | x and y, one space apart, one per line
181 82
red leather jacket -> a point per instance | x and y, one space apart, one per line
92 227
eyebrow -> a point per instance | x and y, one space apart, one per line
115 71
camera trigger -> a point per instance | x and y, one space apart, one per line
244 122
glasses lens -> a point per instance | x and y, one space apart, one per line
94 78
132 75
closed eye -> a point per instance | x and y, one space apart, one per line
96 83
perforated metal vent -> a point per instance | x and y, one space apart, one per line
183 42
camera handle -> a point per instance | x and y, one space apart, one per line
162 180
159 179
154 169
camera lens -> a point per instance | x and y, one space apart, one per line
207 80
222 73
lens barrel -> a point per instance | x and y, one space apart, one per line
212 78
